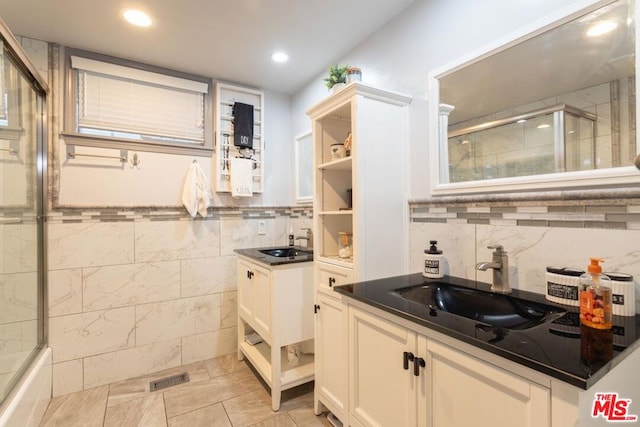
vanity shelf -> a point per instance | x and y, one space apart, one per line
290 375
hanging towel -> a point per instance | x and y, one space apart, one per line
243 125
241 177
196 195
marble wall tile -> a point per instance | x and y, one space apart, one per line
178 318
228 309
67 377
130 284
211 275
119 365
243 233
18 297
167 240
455 241
89 244
19 247
532 249
211 344
79 335
64 292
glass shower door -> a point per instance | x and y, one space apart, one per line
21 213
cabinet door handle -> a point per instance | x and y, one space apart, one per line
418 363
407 356
332 281
316 308
249 274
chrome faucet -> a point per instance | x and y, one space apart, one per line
500 265
308 237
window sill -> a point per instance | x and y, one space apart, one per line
122 144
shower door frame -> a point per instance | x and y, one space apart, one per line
41 89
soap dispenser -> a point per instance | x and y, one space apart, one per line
595 297
433 261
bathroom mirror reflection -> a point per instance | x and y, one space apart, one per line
555 105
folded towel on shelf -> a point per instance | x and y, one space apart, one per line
196 195
241 177
243 125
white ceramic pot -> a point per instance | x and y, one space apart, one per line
338 87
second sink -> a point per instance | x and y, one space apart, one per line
286 252
497 310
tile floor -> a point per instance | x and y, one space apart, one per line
221 392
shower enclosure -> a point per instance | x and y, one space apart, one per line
22 166
560 138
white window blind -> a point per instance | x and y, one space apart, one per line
114 99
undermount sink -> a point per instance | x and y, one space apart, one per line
285 252
496 310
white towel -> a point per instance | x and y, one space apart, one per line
196 195
241 177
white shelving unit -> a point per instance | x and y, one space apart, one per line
375 174
226 96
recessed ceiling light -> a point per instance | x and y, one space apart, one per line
601 28
521 121
137 18
279 57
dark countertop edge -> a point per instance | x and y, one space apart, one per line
271 261
581 383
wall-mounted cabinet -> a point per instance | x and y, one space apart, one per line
225 150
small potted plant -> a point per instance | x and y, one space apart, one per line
337 78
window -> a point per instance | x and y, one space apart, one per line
114 103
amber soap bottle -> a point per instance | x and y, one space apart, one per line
595 297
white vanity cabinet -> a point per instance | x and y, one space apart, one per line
402 378
276 302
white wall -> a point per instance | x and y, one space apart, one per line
158 180
426 36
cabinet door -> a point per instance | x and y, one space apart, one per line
381 391
245 291
465 391
261 283
331 355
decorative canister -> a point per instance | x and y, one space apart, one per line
624 294
563 285
338 151
354 74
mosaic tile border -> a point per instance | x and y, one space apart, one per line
615 210
130 214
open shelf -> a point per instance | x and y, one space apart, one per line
343 164
290 375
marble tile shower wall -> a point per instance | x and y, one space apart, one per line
536 234
136 291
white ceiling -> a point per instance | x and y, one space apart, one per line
228 40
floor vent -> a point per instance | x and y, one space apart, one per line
168 382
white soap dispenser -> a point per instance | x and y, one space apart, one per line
433 262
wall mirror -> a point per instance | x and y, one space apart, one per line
553 106
304 167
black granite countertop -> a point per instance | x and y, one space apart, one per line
560 348
304 255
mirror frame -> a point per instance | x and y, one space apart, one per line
299 139
600 178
